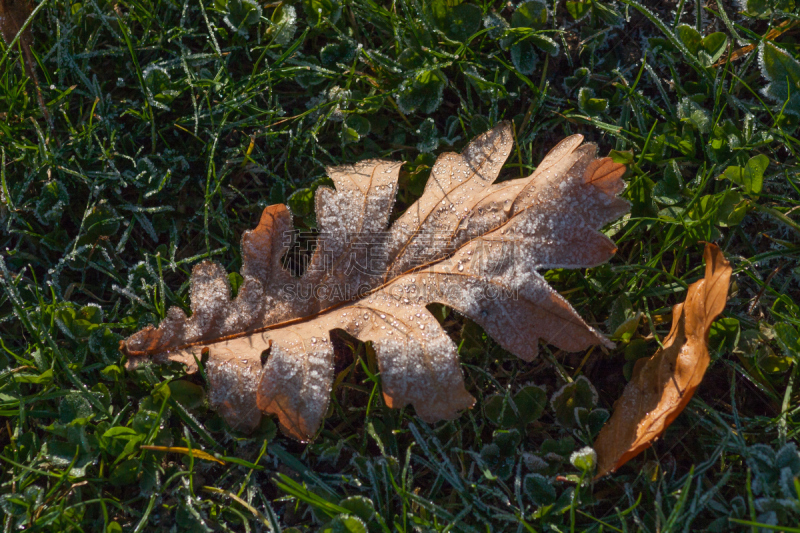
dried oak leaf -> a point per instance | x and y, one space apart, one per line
663 384
467 243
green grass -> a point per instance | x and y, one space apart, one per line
172 124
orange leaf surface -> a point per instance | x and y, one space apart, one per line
468 243
663 384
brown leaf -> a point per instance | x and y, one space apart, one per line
13 14
771 35
467 243
663 384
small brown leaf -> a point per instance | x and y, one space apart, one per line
468 243
771 35
13 14
663 384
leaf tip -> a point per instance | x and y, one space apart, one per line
606 175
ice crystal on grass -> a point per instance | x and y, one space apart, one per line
467 242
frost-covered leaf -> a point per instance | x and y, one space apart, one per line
338 52
359 506
460 22
423 92
284 24
783 72
667 191
584 459
714 45
589 104
539 489
52 201
663 384
496 25
532 14
577 395
524 57
579 9
708 49
241 14
755 8
690 37
159 87
428 136
693 113
345 524
545 43
581 77
467 243
523 408
608 15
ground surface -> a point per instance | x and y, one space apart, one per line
167 127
